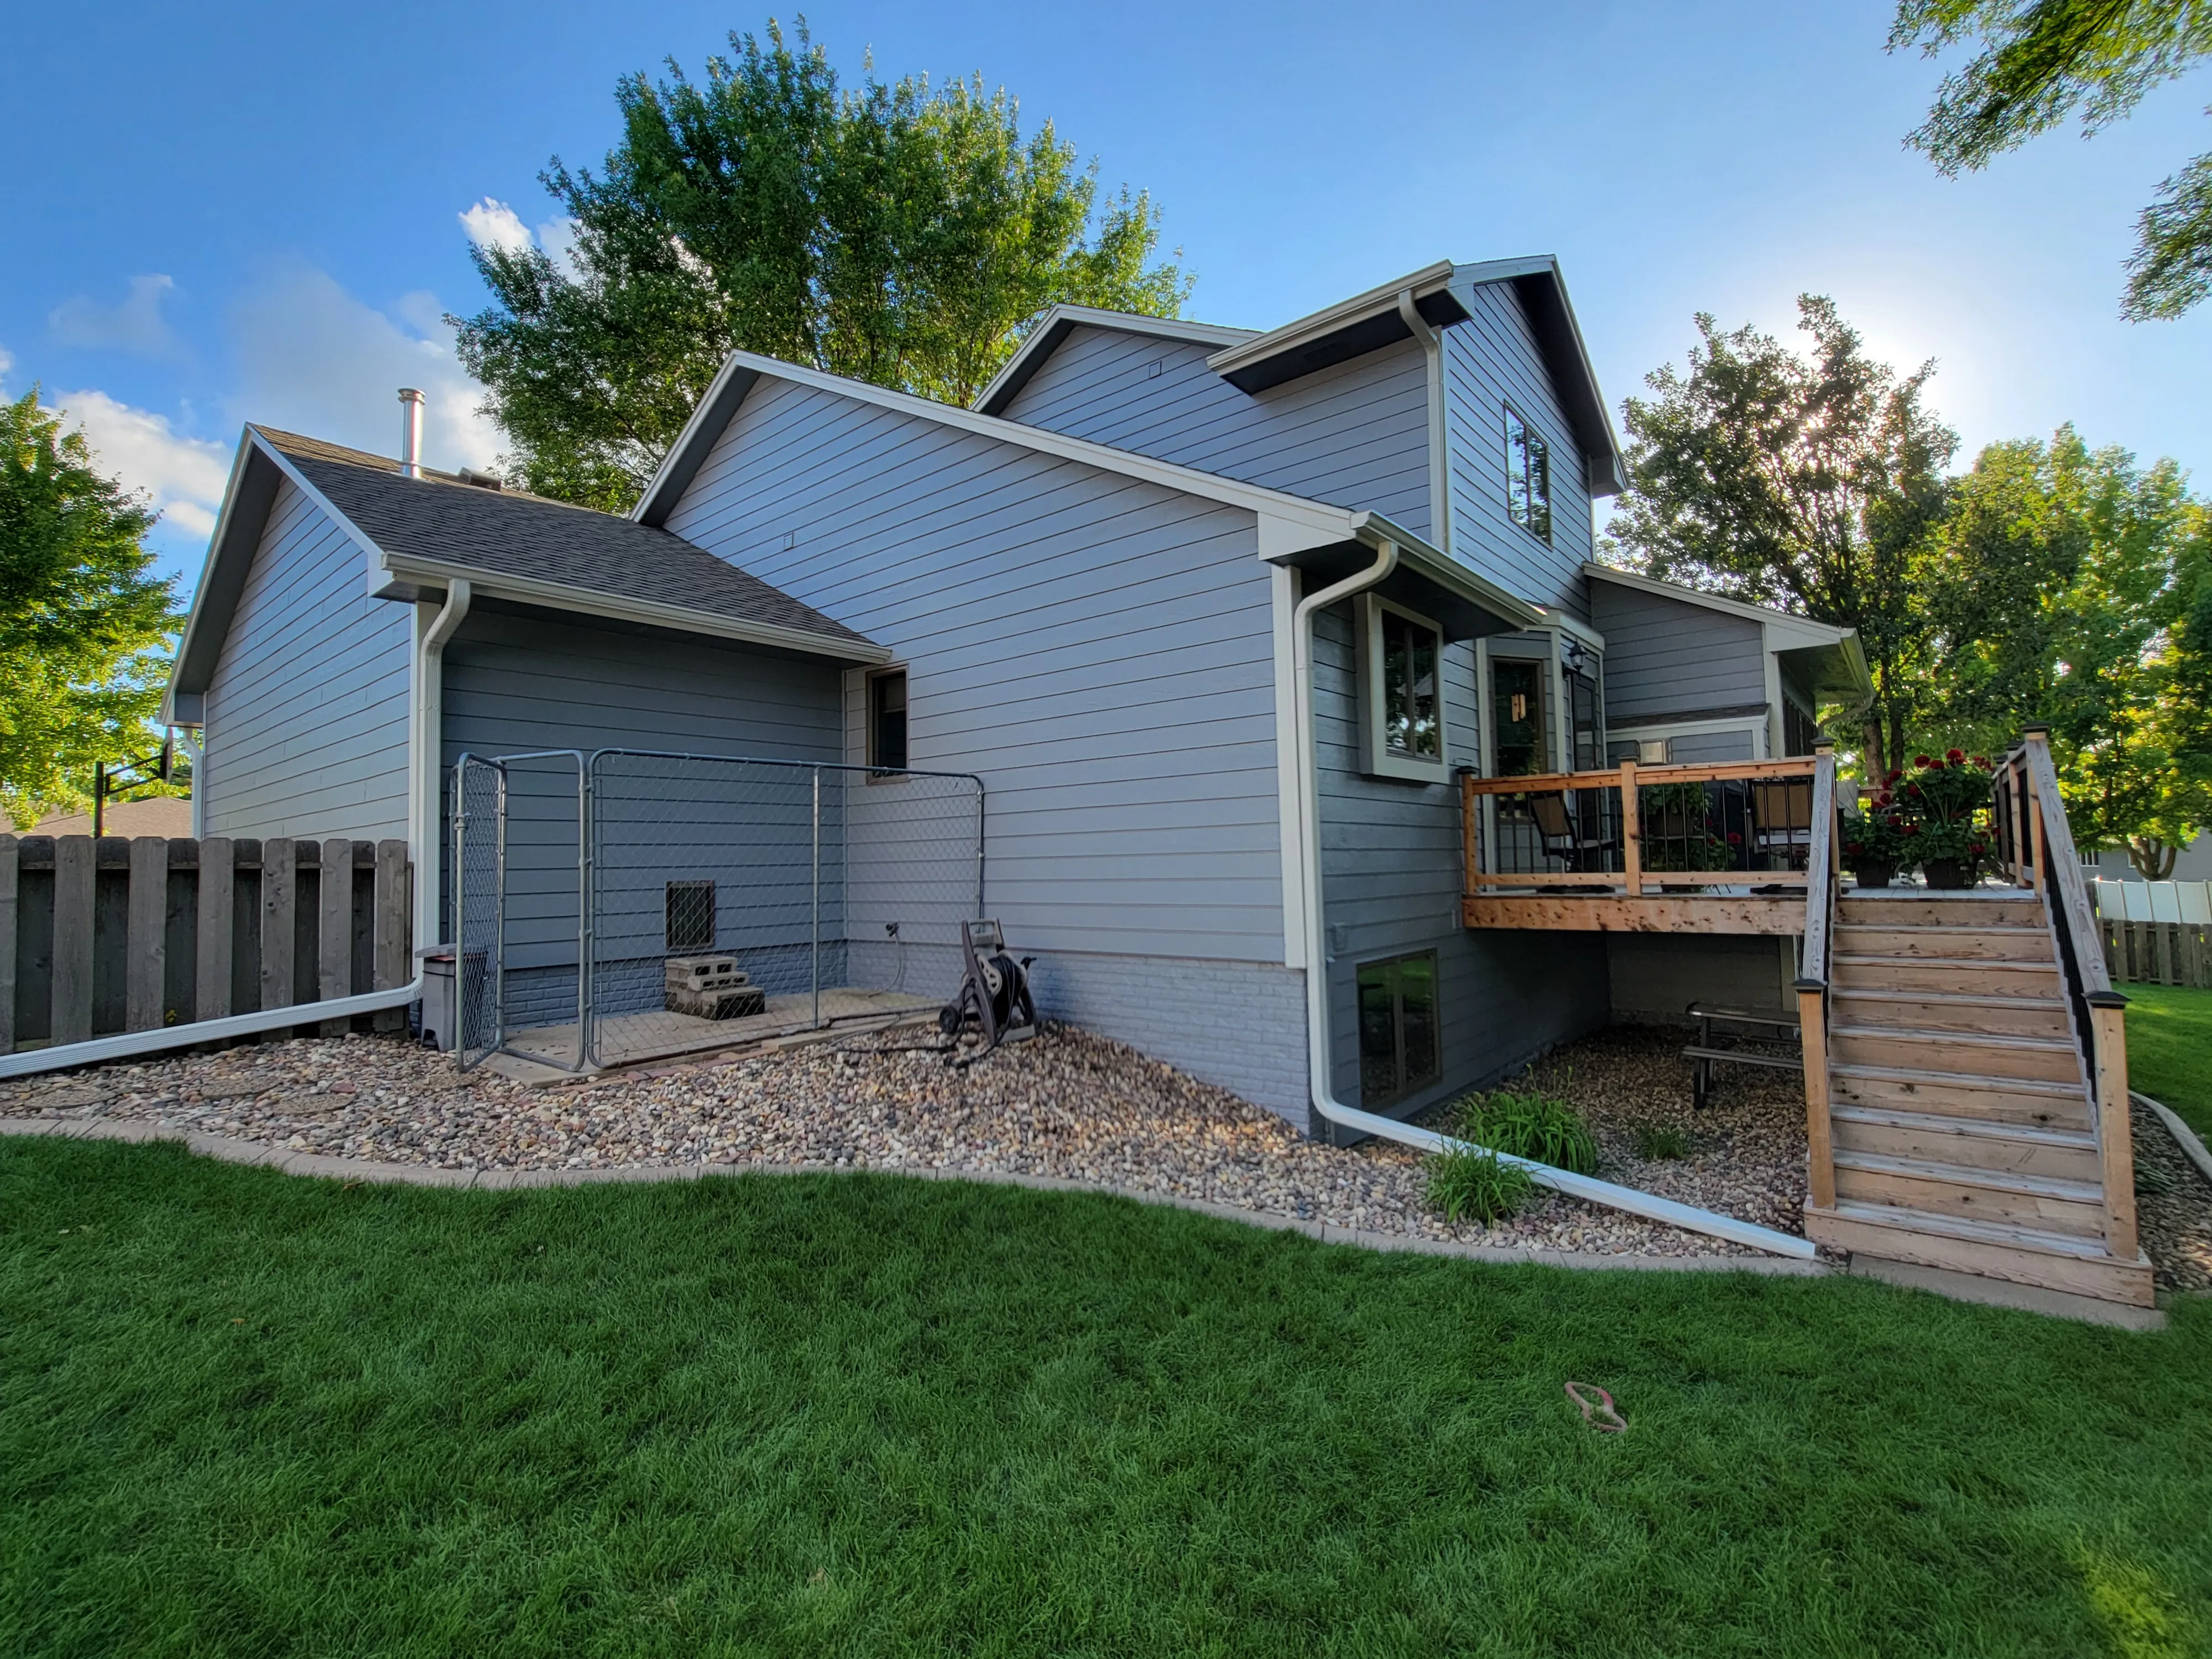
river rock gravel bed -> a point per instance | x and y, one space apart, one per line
1069 1104
2174 1208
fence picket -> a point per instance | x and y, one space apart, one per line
216 929
8 890
73 908
146 933
280 894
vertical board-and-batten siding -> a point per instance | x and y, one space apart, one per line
1667 656
308 710
1391 877
1491 360
1100 651
1355 435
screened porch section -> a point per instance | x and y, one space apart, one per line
1718 848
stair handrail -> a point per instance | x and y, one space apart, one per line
1823 867
2099 1017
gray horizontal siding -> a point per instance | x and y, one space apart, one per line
1666 656
1390 870
1491 360
1355 435
1099 649
1656 977
308 708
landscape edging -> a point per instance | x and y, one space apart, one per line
228 1150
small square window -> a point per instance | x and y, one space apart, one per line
1527 477
691 917
1398 1047
887 720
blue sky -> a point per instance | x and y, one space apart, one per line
253 212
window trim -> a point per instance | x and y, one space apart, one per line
1408 1087
878 772
1377 758
1512 418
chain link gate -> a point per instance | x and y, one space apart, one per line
520 877
633 904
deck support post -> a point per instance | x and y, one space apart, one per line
2115 1126
1632 832
1813 1036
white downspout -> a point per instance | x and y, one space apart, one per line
426 796
1324 1099
1432 347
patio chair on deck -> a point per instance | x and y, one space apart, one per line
1781 817
1567 832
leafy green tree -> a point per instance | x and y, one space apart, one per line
2059 588
83 626
1807 482
901 234
2040 60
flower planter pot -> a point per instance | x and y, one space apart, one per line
1874 875
1944 875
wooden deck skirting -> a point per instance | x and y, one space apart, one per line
132 934
1650 913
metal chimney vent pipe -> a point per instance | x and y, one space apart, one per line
410 433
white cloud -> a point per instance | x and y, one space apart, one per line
134 324
559 237
495 224
183 476
313 358
7 362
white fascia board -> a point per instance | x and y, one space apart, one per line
1425 281
1331 522
374 555
1042 339
1795 633
588 602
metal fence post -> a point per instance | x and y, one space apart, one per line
587 897
817 922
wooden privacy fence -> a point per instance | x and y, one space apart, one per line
116 935
2158 952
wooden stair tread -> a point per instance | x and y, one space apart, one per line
1980 1128
1998 965
2009 1086
1951 999
1974 1175
2077 1245
1969 1039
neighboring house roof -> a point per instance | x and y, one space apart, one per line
418 534
1057 323
154 814
1832 655
1290 526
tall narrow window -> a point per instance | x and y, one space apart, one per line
1527 477
1397 1028
1516 710
1410 723
887 720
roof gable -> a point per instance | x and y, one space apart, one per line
1057 323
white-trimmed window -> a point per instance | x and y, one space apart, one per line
1401 694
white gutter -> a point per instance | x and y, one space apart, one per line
426 753
1432 349
1586 1188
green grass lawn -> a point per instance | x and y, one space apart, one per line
243 1413
2170 1049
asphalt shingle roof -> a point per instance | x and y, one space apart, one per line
436 517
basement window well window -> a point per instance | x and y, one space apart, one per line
1397 1028
1400 692
887 720
1527 477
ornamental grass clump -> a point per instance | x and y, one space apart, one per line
1473 1183
1531 1126
1657 1142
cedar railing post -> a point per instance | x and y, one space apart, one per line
1632 832
2115 1122
1822 865
1470 835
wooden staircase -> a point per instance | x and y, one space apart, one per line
1966 1069
1959 1110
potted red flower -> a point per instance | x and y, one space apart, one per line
1943 810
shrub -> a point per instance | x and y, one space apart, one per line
1530 1126
1657 1141
1471 1182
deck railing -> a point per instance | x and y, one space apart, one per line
1642 830
1824 868
2036 847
